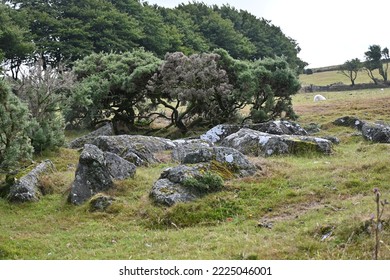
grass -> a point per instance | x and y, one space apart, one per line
294 207
332 77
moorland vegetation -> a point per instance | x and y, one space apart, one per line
69 66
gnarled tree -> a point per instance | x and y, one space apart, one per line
111 86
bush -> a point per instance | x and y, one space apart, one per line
207 183
14 142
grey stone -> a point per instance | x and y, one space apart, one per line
95 173
92 175
222 161
312 128
332 139
135 148
350 122
196 153
100 202
251 142
79 143
27 188
378 133
118 167
278 128
168 189
218 133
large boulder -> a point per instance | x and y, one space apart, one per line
350 122
218 133
185 183
252 142
119 168
231 158
95 173
279 128
169 188
134 148
78 143
204 167
378 133
27 187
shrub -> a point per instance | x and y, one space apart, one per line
14 141
207 183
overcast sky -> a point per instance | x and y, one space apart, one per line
329 32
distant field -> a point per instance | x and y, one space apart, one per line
331 77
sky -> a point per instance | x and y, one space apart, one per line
328 32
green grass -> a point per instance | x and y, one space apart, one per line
302 198
332 77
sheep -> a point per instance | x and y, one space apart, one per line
319 97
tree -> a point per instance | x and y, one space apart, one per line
209 89
351 68
373 61
275 83
14 141
267 38
65 31
385 64
45 93
191 39
15 46
219 32
194 88
111 86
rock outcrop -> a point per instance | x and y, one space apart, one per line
230 157
218 133
204 167
169 188
350 122
251 142
95 173
378 133
100 202
78 143
134 148
27 187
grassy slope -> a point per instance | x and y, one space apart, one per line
331 77
303 198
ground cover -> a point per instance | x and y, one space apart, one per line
294 207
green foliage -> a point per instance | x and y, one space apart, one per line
15 44
351 68
45 92
201 87
65 31
374 61
14 142
111 86
206 183
48 133
219 32
211 89
268 39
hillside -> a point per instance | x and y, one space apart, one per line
294 207
332 77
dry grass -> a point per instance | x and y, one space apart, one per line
300 198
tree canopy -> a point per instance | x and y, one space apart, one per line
65 31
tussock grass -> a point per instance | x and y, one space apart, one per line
294 207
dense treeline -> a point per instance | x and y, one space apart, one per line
86 62
65 31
